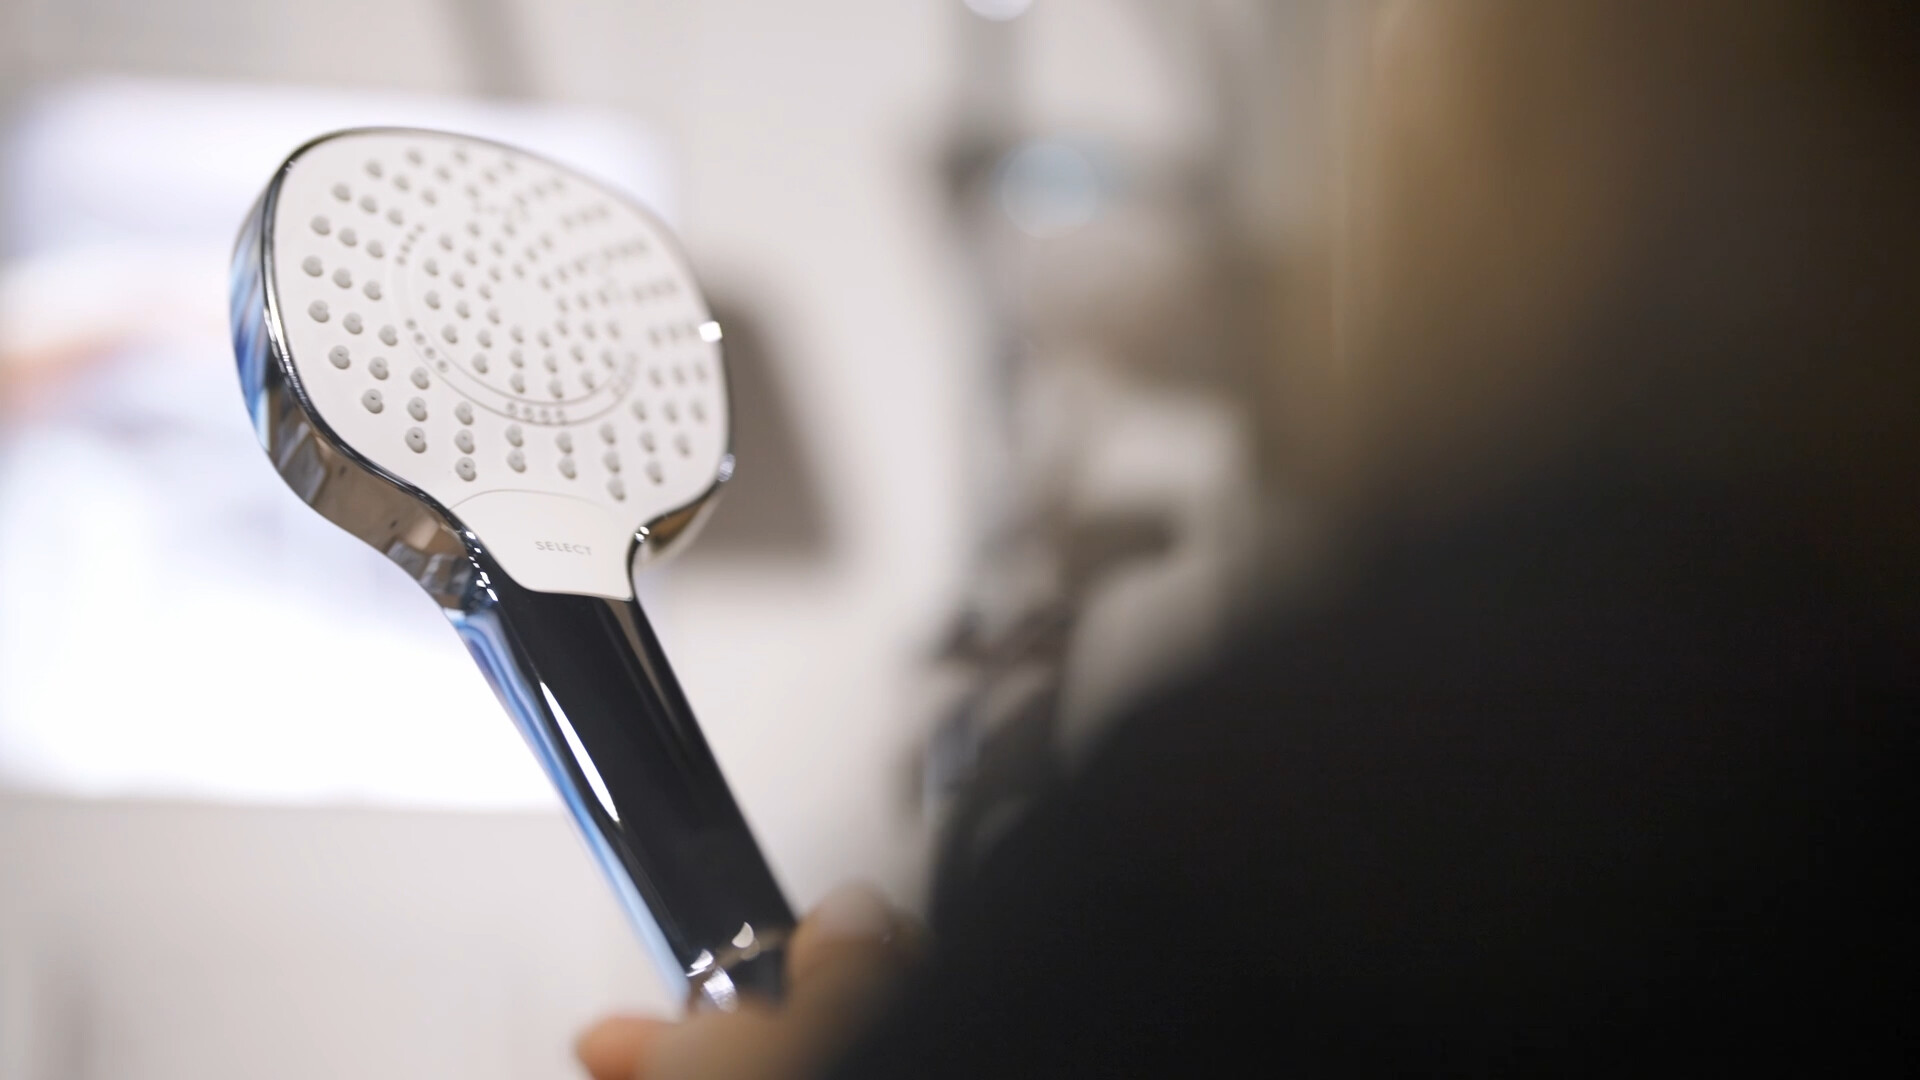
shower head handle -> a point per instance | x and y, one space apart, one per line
590 687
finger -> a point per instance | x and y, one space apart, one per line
842 964
854 924
796 1041
751 1044
614 1048
840 961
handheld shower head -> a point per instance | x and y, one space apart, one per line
501 375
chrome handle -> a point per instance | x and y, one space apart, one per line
589 686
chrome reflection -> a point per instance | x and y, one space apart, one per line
580 756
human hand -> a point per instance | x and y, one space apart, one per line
841 961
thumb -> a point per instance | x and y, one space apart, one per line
614 1048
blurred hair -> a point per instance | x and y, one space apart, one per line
1678 234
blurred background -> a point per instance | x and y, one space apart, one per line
1020 296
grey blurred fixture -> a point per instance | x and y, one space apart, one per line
1010 190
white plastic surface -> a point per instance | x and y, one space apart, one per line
456 272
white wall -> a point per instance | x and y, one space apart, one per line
175 940
171 942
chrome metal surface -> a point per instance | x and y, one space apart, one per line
400 522
588 685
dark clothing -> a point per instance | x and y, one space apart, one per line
1613 778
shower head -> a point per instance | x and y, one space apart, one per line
501 374
499 336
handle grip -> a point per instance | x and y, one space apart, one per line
589 686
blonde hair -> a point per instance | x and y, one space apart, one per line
1678 234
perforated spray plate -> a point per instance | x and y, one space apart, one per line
519 342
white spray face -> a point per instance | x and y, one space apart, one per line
513 339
